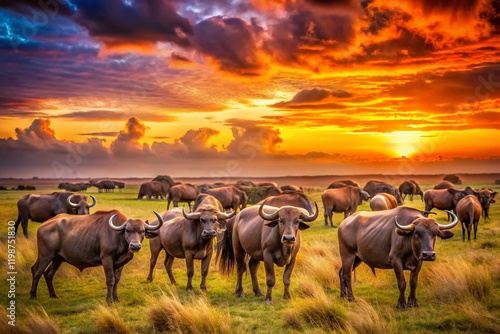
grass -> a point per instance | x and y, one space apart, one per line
458 293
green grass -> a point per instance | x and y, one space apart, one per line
458 293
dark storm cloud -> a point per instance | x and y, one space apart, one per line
314 99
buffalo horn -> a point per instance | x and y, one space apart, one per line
192 215
410 227
71 203
225 215
94 201
450 225
116 228
155 227
266 216
310 217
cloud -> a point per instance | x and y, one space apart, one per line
315 99
128 143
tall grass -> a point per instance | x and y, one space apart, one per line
109 321
37 321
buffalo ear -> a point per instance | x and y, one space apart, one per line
493 201
402 232
303 226
445 234
152 234
271 223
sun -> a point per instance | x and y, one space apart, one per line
405 151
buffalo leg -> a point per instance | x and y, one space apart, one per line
253 265
286 279
239 257
205 265
169 261
400 277
345 276
412 298
37 271
155 248
118 274
463 231
475 230
270 277
49 275
109 272
190 271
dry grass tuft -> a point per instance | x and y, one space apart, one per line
109 321
364 319
36 322
472 317
320 260
169 314
456 280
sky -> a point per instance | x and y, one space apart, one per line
231 88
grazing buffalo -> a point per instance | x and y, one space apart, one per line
153 189
268 184
342 183
245 183
410 188
230 197
444 185
486 198
264 233
469 212
39 208
182 193
371 237
105 185
344 200
383 201
189 236
291 187
89 241
119 185
444 199
375 187
74 187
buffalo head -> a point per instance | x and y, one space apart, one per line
486 198
289 219
211 218
135 230
79 203
423 232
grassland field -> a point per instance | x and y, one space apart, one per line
458 293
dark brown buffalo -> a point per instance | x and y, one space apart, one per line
291 187
342 183
268 184
371 237
39 208
469 212
245 183
486 197
153 189
89 241
444 199
190 237
383 201
105 185
230 197
119 185
344 200
444 185
375 187
411 188
74 187
182 193
269 234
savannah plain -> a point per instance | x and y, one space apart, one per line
458 293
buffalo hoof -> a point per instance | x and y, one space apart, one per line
33 296
240 294
149 279
412 303
268 301
401 305
259 294
54 296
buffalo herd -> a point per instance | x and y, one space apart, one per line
247 223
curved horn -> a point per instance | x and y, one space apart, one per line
312 217
192 215
410 227
71 203
271 216
94 201
225 215
450 225
155 227
116 228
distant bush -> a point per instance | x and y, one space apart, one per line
255 194
497 181
3 188
455 179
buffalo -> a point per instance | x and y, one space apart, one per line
444 185
153 189
486 197
89 241
105 185
342 183
74 187
383 201
469 212
444 199
291 187
375 187
189 237
230 197
269 234
182 193
345 199
399 239
39 208
410 188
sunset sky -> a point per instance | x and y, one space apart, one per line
224 88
